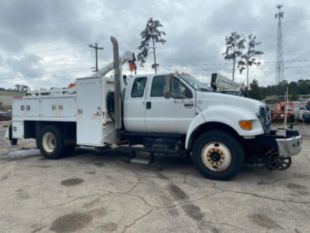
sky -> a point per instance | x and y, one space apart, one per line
44 43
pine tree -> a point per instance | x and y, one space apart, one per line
234 47
249 58
255 92
150 36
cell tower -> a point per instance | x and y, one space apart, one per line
280 61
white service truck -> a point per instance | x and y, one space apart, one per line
158 113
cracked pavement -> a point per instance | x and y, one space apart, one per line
93 191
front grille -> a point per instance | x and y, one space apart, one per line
265 117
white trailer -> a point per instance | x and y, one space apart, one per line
165 113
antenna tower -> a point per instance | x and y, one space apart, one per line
280 61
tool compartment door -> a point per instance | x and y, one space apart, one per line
89 112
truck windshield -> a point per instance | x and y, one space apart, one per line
193 82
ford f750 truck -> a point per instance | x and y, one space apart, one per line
161 113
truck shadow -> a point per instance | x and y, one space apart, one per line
166 163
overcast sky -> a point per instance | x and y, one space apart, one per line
45 43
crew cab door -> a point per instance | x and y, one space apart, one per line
134 105
168 114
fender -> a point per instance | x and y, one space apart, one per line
228 116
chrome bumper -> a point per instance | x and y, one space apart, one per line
289 146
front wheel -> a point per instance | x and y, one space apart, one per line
217 155
50 142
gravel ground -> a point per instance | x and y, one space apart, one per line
102 192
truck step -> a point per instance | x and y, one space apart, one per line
145 160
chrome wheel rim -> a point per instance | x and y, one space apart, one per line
49 142
216 156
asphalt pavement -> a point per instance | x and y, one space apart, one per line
93 191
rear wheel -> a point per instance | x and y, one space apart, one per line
13 141
50 142
217 155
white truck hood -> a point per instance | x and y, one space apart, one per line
209 99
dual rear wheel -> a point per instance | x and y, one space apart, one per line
51 140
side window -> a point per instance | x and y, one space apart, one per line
179 90
158 86
138 87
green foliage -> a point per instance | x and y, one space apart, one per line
150 36
301 87
255 91
294 97
249 58
234 48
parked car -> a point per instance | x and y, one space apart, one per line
4 116
306 113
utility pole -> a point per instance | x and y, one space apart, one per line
96 54
280 61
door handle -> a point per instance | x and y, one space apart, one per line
188 105
148 105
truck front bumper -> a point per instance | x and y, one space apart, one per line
284 143
289 146
274 149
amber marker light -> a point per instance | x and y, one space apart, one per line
246 125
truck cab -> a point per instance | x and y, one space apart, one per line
150 108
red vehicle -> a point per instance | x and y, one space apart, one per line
278 111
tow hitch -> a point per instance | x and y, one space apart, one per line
272 161
279 150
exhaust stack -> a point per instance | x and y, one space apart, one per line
117 87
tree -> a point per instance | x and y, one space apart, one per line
294 97
150 36
234 47
255 91
249 58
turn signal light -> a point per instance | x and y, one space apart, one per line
246 125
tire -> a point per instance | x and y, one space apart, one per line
51 142
217 155
13 142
